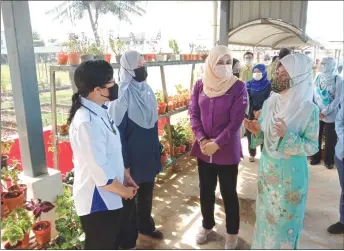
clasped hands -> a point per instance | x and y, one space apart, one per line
130 183
279 128
209 147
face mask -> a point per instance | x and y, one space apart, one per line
257 76
281 82
140 74
223 71
248 62
113 93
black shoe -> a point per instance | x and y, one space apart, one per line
156 234
337 228
329 166
314 162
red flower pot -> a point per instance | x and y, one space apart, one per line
13 199
74 58
19 187
163 159
182 148
42 231
18 246
162 108
176 150
62 58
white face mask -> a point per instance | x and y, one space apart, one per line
257 76
223 71
248 62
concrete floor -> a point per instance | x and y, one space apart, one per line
177 210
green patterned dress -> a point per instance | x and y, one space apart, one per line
283 187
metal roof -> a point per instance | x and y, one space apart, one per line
267 32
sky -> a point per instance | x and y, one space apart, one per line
186 21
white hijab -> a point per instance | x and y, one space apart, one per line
294 107
136 98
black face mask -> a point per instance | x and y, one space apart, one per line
113 93
140 74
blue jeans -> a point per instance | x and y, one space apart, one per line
340 169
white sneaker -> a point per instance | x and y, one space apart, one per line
251 159
202 235
230 243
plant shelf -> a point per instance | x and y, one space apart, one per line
71 68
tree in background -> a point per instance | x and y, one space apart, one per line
37 40
76 10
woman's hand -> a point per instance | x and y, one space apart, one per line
280 128
129 182
252 125
321 116
128 193
210 148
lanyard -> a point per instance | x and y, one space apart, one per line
110 120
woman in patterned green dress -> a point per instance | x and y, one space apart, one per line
288 126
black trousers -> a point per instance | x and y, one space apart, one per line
252 152
136 217
101 229
227 174
327 129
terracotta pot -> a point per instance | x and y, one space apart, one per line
162 108
4 209
19 187
186 102
12 202
185 57
42 231
182 148
204 56
107 57
180 104
74 58
194 57
18 246
118 58
151 57
163 159
170 106
61 58
26 241
176 150
85 58
199 57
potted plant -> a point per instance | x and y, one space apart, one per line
12 172
117 46
73 47
163 155
85 48
172 43
160 56
16 227
41 229
97 51
70 232
13 199
62 58
161 103
6 147
4 209
192 48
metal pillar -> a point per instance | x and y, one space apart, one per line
224 20
21 58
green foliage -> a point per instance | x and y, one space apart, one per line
68 224
17 223
11 172
69 178
117 46
177 134
73 44
96 50
173 44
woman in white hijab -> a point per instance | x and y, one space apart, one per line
135 114
288 126
327 87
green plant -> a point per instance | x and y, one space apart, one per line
177 134
84 44
117 46
191 47
95 50
159 96
11 172
73 44
17 223
71 235
173 44
6 146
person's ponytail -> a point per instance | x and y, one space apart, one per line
76 104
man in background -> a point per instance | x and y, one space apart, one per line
246 71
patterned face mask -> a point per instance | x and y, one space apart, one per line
281 82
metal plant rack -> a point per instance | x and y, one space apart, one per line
71 68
